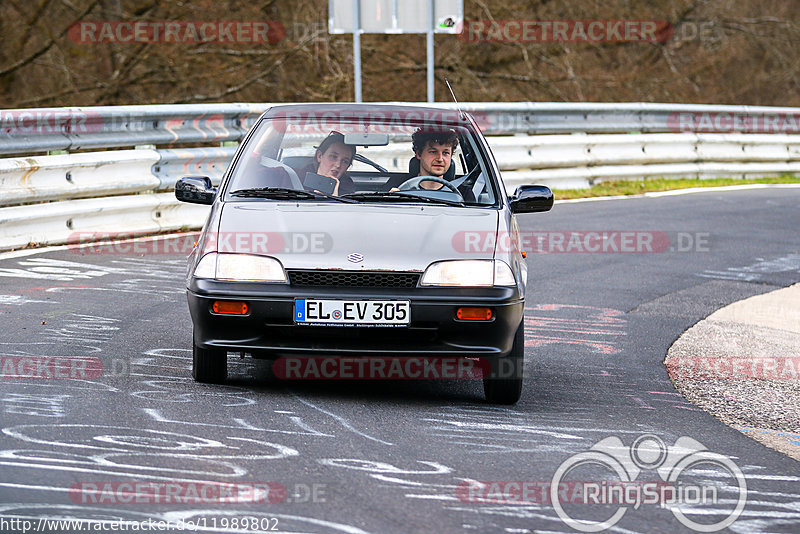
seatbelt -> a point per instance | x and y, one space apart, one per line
459 181
478 187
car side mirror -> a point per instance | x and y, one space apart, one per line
195 189
531 199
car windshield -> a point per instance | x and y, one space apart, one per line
363 159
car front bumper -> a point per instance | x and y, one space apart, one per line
268 328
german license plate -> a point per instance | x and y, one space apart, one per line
352 312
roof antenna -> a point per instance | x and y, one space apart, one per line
462 115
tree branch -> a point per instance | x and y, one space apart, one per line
25 61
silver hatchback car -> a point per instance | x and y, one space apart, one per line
364 231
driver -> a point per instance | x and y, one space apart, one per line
434 150
433 154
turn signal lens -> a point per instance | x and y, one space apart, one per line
474 314
228 307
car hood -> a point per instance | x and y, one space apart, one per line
306 235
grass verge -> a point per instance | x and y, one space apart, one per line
636 187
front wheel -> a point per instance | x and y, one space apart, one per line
504 384
209 365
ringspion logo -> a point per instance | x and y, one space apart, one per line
691 477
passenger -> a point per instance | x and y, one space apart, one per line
332 159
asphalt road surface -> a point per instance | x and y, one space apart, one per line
139 440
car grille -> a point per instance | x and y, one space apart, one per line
319 278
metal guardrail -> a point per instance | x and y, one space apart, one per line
31 131
61 177
76 221
38 130
121 190
575 161
631 117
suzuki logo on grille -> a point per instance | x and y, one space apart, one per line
355 258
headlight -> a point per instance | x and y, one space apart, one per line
240 267
468 273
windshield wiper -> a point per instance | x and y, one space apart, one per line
317 194
284 193
272 192
395 196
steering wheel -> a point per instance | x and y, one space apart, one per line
414 184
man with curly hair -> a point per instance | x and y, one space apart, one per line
434 152
433 155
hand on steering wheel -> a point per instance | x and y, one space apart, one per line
414 184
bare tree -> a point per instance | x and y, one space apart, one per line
718 51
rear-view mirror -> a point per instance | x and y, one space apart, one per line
366 139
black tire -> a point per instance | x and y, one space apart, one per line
504 385
209 366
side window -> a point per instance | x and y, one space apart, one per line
481 186
458 160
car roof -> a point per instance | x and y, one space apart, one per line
444 116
